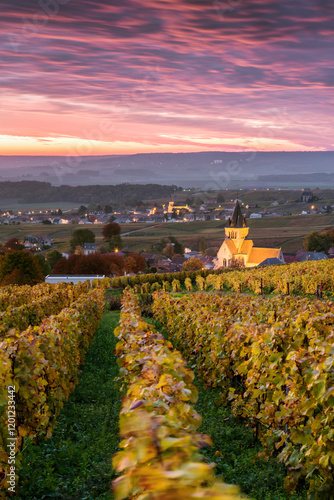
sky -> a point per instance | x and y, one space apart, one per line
95 77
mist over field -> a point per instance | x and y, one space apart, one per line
209 170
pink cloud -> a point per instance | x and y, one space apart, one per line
253 69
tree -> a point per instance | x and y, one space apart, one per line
19 267
237 262
192 264
169 250
12 244
202 245
110 230
91 264
130 264
53 257
46 222
44 264
82 210
135 263
116 264
178 247
107 209
115 243
318 242
81 236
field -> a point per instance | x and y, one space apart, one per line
286 232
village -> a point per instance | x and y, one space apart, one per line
237 250
171 212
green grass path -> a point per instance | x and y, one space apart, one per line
234 451
75 463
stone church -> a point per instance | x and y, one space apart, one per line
238 251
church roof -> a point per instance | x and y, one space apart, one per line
246 247
231 246
237 220
258 255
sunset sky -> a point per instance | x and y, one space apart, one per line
90 77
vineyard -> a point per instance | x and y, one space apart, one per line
300 278
273 360
40 363
257 338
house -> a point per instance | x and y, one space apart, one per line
307 196
37 242
237 250
125 220
46 240
302 256
207 262
89 248
192 254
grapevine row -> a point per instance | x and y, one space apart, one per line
42 364
274 361
159 459
300 278
15 295
42 303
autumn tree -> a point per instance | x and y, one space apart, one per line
96 263
11 245
81 236
110 230
116 264
169 250
19 267
192 264
135 263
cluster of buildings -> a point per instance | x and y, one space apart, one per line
169 212
175 264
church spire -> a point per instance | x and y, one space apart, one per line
237 220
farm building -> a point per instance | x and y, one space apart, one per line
75 279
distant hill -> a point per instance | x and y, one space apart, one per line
208 170
44 192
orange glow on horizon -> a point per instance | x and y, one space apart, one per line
73 147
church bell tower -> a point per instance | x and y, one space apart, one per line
237 229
